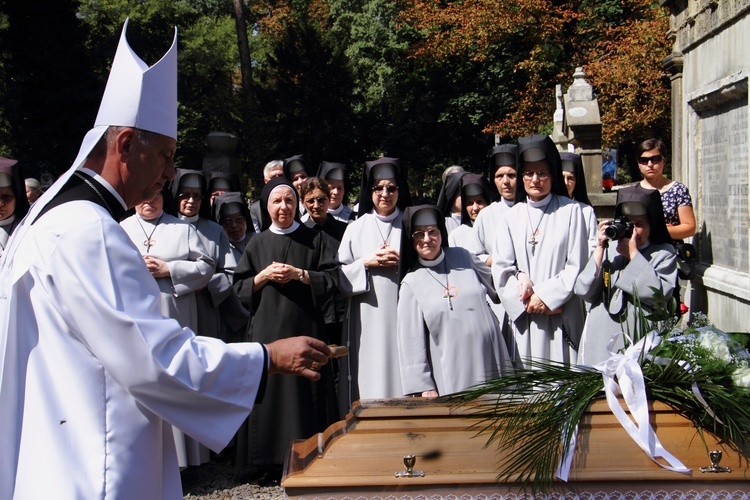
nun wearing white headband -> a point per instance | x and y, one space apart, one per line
448 337
284 277
93 377
13 201
369 257
540 248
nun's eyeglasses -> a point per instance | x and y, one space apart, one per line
187 196
5 199
541 175
433 233
390 189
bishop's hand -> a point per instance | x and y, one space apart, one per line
298 356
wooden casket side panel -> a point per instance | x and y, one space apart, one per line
368 447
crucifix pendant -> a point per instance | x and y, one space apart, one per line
449 294
148 244
533 243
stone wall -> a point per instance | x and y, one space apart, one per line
710 66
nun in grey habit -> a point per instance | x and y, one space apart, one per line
448 337
642 263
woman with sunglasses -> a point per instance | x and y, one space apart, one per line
369 256
448 337
678 207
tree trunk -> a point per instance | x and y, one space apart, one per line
243 45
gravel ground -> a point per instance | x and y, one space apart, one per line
217 480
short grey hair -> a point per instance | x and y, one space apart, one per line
144 137
33 184
271 165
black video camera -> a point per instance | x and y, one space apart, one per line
621 227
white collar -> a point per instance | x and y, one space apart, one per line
336 211
645 244
284 230
386 218
541 203
152 219
191 219
432 263
8 221
106 185
508 203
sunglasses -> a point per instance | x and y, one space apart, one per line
313 201
388 189
187 196
643 160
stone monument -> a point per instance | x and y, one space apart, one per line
219 158
709 67
577 121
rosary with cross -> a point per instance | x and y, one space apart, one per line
533 241
449 293
148 243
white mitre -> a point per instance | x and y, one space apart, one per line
139 96
136 96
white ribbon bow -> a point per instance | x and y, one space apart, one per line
623 376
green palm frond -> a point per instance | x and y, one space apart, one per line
532 414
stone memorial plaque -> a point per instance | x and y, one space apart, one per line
724 186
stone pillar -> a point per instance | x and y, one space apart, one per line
672 64
558 129
219 158
583 125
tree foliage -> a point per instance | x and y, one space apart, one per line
339 80
619 43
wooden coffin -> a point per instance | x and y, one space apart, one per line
358 457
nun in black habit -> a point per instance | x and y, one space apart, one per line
284 277
641 261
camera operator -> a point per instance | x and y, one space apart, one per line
633 255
